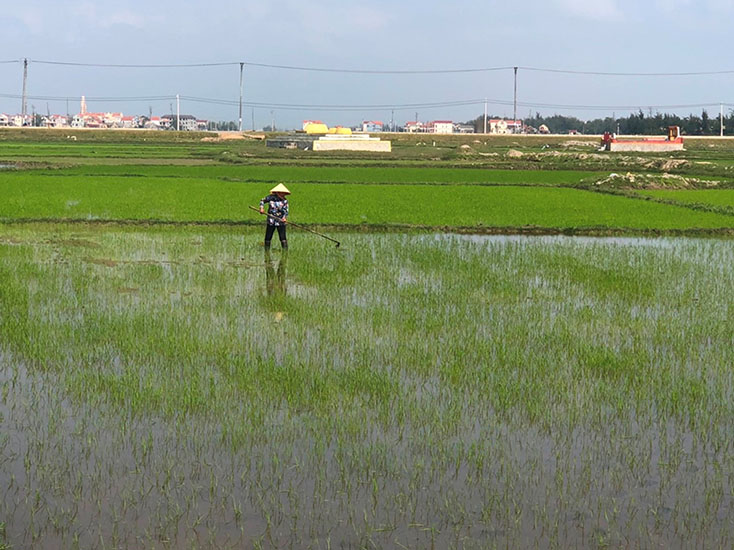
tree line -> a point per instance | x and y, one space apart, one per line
634 123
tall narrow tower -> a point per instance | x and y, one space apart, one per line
83 106
24 105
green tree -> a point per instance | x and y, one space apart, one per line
705 123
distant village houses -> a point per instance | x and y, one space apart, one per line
438 127
188 123
106 120
433 127
495 126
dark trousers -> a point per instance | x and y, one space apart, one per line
270 229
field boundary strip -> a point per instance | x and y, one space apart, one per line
530 230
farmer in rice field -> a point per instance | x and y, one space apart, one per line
278 207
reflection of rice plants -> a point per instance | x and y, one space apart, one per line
404 390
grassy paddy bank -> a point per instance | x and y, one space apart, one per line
175 387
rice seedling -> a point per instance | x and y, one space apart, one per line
407 390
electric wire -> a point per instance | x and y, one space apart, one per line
369 71
337 106
602 73
134 66
360 107
381 71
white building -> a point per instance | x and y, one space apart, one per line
414 126
20 120
463 128
440 127
502 126
55 121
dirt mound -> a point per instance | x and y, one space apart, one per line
673 164
579 143
652 181
229 136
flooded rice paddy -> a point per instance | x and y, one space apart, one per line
180 388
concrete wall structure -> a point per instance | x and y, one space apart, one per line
330 142
373 145
646 146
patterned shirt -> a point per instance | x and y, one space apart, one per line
277 207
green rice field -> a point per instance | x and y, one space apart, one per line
334 174
498 355
29 196
715 197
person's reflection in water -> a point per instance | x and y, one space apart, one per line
275 278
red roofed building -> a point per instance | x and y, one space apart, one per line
372 126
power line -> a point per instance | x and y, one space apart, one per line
619 107
381 106
133 66
368 71
376 71
67 98
601 73
264 65
337 106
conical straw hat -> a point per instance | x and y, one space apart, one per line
280 188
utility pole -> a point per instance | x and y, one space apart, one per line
272 121
721 119
514 110
253 119
392 120
24 105
242 67
485 115
178 113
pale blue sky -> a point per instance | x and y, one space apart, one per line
642 36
